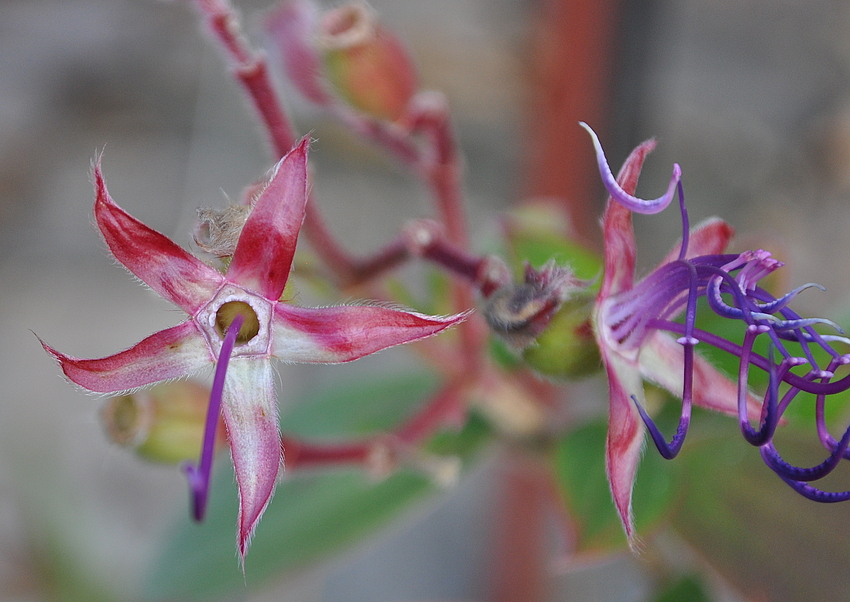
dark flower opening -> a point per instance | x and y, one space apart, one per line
227 313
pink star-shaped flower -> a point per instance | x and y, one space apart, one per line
248 293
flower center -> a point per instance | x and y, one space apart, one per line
228 311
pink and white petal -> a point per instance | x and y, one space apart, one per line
167 354
175 274
250 414
709 237
662 361
625 435
263 255
617 231
346 333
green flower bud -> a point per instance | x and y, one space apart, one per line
567 348
164 423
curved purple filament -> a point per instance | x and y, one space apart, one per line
686 225
782 468
759 361
671 450
199 476
781 302
629 201
815 494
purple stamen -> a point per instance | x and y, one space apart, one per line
686 224
780 303
787 471
820 419
621 196
671 450
791 393
800 323
761 362
199 476
753 436
815 494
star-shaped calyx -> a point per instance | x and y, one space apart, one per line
248 293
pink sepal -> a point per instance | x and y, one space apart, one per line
164 355
346 333
250 414
625 434
662 361
153 258
709 237
263 255
617 231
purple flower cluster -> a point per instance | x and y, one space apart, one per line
632 318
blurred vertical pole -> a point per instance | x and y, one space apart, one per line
572 58
520 561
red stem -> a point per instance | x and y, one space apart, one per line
252 71
442 409
519 574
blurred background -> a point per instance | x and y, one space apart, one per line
751 97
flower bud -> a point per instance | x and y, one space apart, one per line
520 312
567 348
343 59
366 64
164 423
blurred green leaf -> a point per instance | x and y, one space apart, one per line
689 588
309 517
353 408
764 538
312 514
536 233
579 463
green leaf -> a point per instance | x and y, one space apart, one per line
309 517
536 233
312 515
579 463
689 588
344 408
764 538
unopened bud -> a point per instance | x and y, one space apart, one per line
162 424
366 63
567 347
519 313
